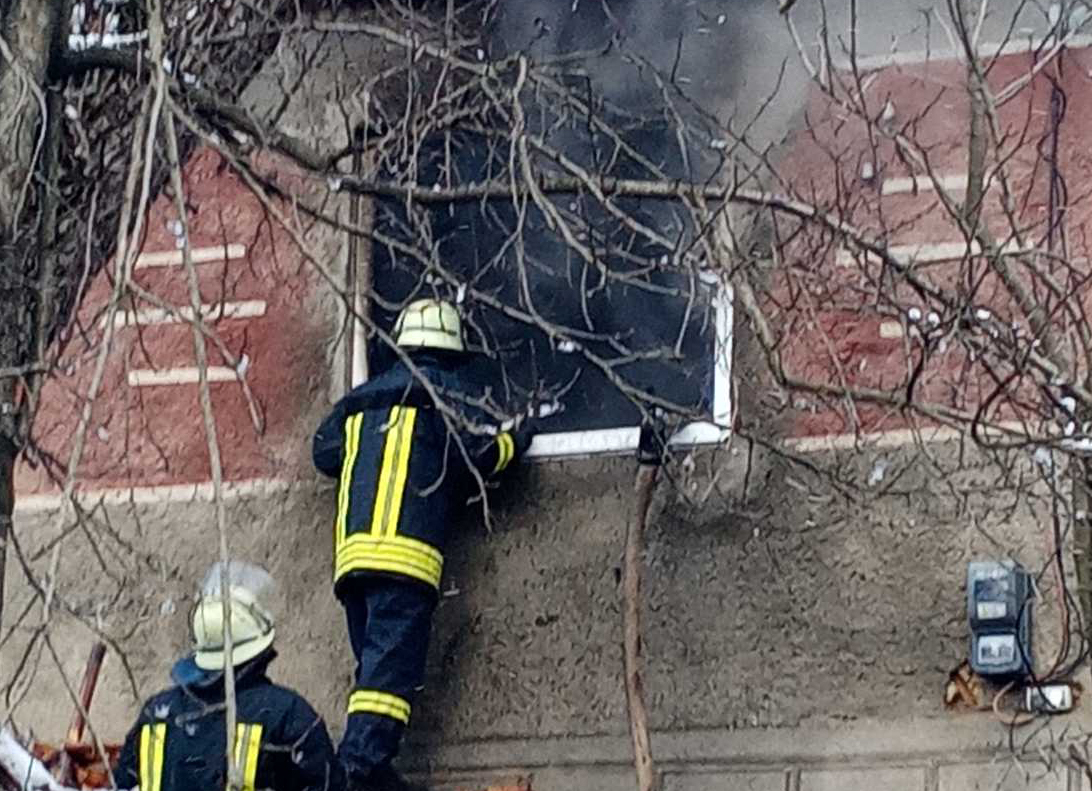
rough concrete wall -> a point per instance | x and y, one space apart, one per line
785 609
776 601
771 613
143 605
317 87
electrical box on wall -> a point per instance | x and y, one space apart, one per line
999 611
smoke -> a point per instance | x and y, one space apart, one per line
664 76
732 56
709 45
679 81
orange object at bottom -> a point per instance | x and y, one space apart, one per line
86 767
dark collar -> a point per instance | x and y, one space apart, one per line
187 674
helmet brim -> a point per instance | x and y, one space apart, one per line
416 338
213 659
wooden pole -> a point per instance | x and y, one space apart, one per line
79 719
649 457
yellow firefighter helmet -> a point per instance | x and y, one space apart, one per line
252 626
429 324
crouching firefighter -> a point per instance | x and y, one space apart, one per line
179 740
404 474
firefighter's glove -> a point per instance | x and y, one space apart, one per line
651 445
524 434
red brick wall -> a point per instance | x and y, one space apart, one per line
154 435
829 316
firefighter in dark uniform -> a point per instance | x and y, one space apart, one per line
405 470
178 742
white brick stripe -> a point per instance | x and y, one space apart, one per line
147 377
890 329
895 438
926 253
1015 46
904 184
145 495
952 182
246 309
199 255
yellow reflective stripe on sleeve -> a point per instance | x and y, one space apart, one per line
405 446
373 701
386 472
352 446
253 747
152 740
392 475
506 451
397 554
248 742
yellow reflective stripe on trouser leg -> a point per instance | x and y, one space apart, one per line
374 701
352 446
248 741
152 740
506 450
392 475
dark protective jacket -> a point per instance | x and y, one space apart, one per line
178 741
405 470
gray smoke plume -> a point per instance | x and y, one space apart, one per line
730 56
709 44
679 81
723 54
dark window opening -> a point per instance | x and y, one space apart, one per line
635 328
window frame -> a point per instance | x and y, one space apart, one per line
558 445
615 441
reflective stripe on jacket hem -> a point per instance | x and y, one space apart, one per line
396 554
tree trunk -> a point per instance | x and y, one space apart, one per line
1082 538
28 38
27 28
633 653
977 140
8 453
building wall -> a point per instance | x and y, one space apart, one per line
847 319
790 606
773 598
261 297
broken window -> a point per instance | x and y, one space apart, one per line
580 309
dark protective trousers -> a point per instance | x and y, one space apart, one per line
389 624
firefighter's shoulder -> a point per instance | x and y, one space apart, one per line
275 702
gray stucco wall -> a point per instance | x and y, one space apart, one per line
788 603
794 606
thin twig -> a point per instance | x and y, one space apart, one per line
234 767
